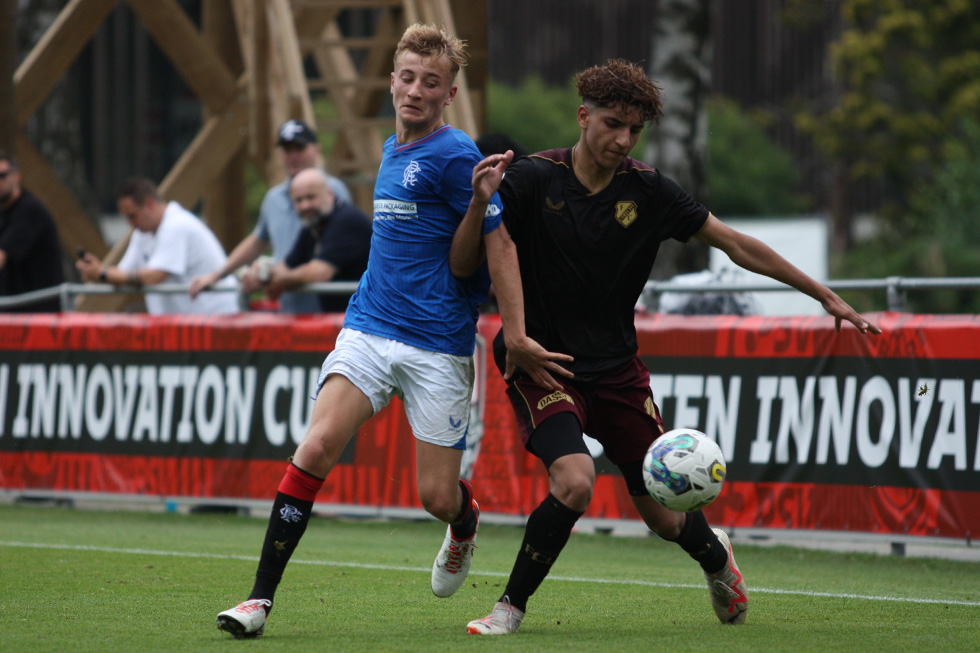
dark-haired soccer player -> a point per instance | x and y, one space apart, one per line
410 328
587 222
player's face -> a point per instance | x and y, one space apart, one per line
609 134
421 89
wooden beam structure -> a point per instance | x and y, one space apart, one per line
248 65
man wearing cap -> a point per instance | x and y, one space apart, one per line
279 224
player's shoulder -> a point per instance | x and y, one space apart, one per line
556 161
636 173
460 143
638 168
557 158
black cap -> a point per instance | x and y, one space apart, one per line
296 131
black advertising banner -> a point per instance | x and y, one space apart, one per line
819 429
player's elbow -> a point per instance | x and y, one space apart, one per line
465 266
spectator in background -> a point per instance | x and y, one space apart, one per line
332 246
169 245
278 225
30 253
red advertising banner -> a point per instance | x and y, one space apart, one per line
821 430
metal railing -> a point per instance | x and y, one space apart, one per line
896 289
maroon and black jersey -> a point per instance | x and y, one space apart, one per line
585 258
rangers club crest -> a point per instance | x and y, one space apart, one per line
290 513
410 175
626 213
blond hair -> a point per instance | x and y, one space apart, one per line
429 41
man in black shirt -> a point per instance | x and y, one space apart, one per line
587 222
333 245
30 253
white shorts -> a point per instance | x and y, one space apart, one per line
435 388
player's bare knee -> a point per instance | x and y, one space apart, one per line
667 524
574 491
440 505
319 452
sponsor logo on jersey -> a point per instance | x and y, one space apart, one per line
410 175
551 207
394 210
492 210
626 213
557 395
290 513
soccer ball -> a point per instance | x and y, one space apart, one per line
684 470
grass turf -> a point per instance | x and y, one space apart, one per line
85 580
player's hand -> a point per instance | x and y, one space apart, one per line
201 282
841 311
537 361
488 173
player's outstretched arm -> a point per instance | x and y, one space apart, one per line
754 255
522 351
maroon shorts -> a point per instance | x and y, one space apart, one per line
618 410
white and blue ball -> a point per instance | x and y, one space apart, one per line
684 470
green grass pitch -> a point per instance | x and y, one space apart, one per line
87 580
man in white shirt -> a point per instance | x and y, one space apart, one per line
169 245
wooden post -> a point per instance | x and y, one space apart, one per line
224 201
8 62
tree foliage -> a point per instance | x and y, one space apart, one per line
907 117
910 74
747 172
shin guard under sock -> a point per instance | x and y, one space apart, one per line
701 543
291 512
547 532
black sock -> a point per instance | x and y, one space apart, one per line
464 526
547 532
287 523
701 543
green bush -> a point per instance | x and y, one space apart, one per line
748 173
938 235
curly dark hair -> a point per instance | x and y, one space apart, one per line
621 83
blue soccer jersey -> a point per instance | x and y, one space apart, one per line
408 293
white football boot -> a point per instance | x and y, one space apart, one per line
245 619
729 596
504 620
453 562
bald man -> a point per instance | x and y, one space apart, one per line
333 245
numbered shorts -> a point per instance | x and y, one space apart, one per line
435 388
